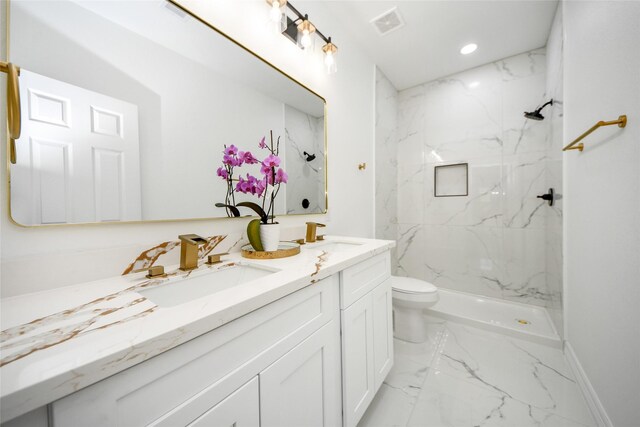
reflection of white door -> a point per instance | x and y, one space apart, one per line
77 158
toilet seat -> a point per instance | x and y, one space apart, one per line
413 290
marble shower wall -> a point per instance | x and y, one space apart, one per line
386 166
304 133
553 169
491 242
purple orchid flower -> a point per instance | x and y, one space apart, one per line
248 158
231 150
272 161
251 185
281 176
223 173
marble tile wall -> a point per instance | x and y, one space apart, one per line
304 133
386 166
493 241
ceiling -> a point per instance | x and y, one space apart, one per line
428 45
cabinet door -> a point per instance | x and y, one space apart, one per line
302 388
358 386
382 332
240 409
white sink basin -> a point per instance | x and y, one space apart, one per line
335 246
179 291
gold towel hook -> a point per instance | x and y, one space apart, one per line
621 122
13 106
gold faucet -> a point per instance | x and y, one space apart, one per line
311 231
189 244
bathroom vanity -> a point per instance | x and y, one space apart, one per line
305 340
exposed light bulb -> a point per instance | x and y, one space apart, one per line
330 51
305 34
275 14
329 60
305 40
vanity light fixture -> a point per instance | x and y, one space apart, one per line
467 49
330 51
299 29
305 33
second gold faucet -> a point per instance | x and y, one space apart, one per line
189 245
311 231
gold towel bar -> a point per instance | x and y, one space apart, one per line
621 122
13 105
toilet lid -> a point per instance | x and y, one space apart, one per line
410 285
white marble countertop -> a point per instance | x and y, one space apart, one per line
56 342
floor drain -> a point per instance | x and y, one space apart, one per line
523 322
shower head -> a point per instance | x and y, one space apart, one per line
309 157
535 115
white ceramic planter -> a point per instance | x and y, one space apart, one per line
270 236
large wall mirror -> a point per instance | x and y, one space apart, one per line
127 107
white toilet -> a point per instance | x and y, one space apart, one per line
410 298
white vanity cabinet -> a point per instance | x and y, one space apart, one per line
276 366
314 357
367 334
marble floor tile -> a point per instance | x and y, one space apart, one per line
394 402
529 373
449 401
478 378
390 408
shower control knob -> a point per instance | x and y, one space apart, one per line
549 197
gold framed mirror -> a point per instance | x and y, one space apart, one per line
126 121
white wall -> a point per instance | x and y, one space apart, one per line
42 258
554 118
602 206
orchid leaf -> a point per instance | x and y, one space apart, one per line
234 210
256 208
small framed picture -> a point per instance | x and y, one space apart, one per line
451 180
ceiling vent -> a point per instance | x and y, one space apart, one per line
388 22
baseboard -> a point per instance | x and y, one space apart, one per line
597 410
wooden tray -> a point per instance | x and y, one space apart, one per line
285 249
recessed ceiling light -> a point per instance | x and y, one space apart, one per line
474 85
470 48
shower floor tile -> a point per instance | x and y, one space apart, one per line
465 376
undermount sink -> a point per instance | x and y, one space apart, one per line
179 291
336 246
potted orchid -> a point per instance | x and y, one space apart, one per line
266 186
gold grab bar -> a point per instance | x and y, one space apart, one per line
621 122
13 106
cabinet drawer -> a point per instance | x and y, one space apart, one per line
357 281
241 409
